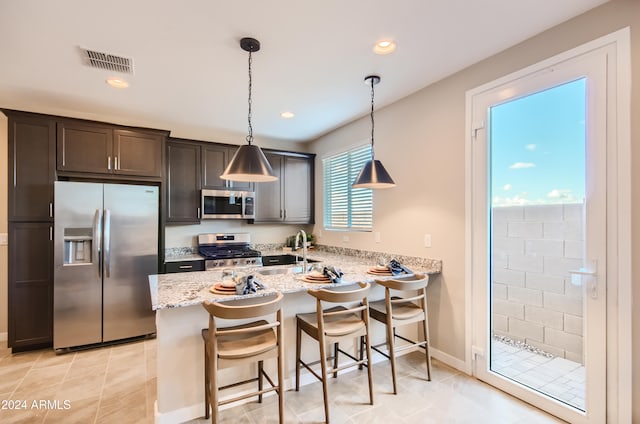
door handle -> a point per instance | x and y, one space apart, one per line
578 274
107 243
109 163
97 239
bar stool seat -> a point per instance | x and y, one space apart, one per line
240 345
407 312
334 325
236 346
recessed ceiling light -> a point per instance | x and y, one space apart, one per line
117 82
384 46
287 115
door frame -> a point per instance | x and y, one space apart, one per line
619 312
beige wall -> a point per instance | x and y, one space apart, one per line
420 139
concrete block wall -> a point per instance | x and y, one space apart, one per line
534 300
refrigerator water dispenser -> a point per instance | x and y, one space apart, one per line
77 246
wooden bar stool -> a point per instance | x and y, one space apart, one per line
402 309
242 344
331 326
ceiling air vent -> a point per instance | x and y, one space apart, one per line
107 61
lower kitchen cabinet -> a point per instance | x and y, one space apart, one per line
30 285
288 200
183 266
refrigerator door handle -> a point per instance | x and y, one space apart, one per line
97 239
107 243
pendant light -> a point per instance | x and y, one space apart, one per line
249 164
373 174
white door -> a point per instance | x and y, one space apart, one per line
539 236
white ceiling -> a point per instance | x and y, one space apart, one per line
190 70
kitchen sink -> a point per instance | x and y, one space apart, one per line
280 271
285 259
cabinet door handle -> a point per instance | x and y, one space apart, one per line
50 209
198 213
115 163
280 213
186 266
285 214
109 163
51 233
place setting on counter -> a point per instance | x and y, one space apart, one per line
233 284
321 274
386 268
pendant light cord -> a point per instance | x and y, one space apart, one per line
372 121
249 137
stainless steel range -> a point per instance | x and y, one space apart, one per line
227 250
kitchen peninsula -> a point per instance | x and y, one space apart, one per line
177 299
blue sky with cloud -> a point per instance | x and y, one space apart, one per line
538 147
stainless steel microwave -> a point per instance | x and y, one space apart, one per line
226 204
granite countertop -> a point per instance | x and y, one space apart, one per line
192 288
186 257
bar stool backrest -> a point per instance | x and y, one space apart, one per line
255 307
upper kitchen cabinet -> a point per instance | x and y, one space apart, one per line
215 158
290 198
103 149
137 153
183 182
32 167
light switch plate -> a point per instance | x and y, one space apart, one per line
4 239
345 239
427 240
377 237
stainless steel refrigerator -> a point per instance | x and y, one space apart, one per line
106 245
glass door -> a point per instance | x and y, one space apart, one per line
539 218
537 173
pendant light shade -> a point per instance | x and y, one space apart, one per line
373 174
249 164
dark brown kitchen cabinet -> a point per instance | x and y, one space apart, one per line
102 149
290 198
30 285
32 167
269 195
298 189
183 266
215 158
85 148
183 182
137 153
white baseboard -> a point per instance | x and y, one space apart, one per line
449 360
3 337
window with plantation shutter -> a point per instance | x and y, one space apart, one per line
347 208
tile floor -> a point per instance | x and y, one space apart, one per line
557 377
117 385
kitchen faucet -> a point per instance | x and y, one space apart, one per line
304 248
